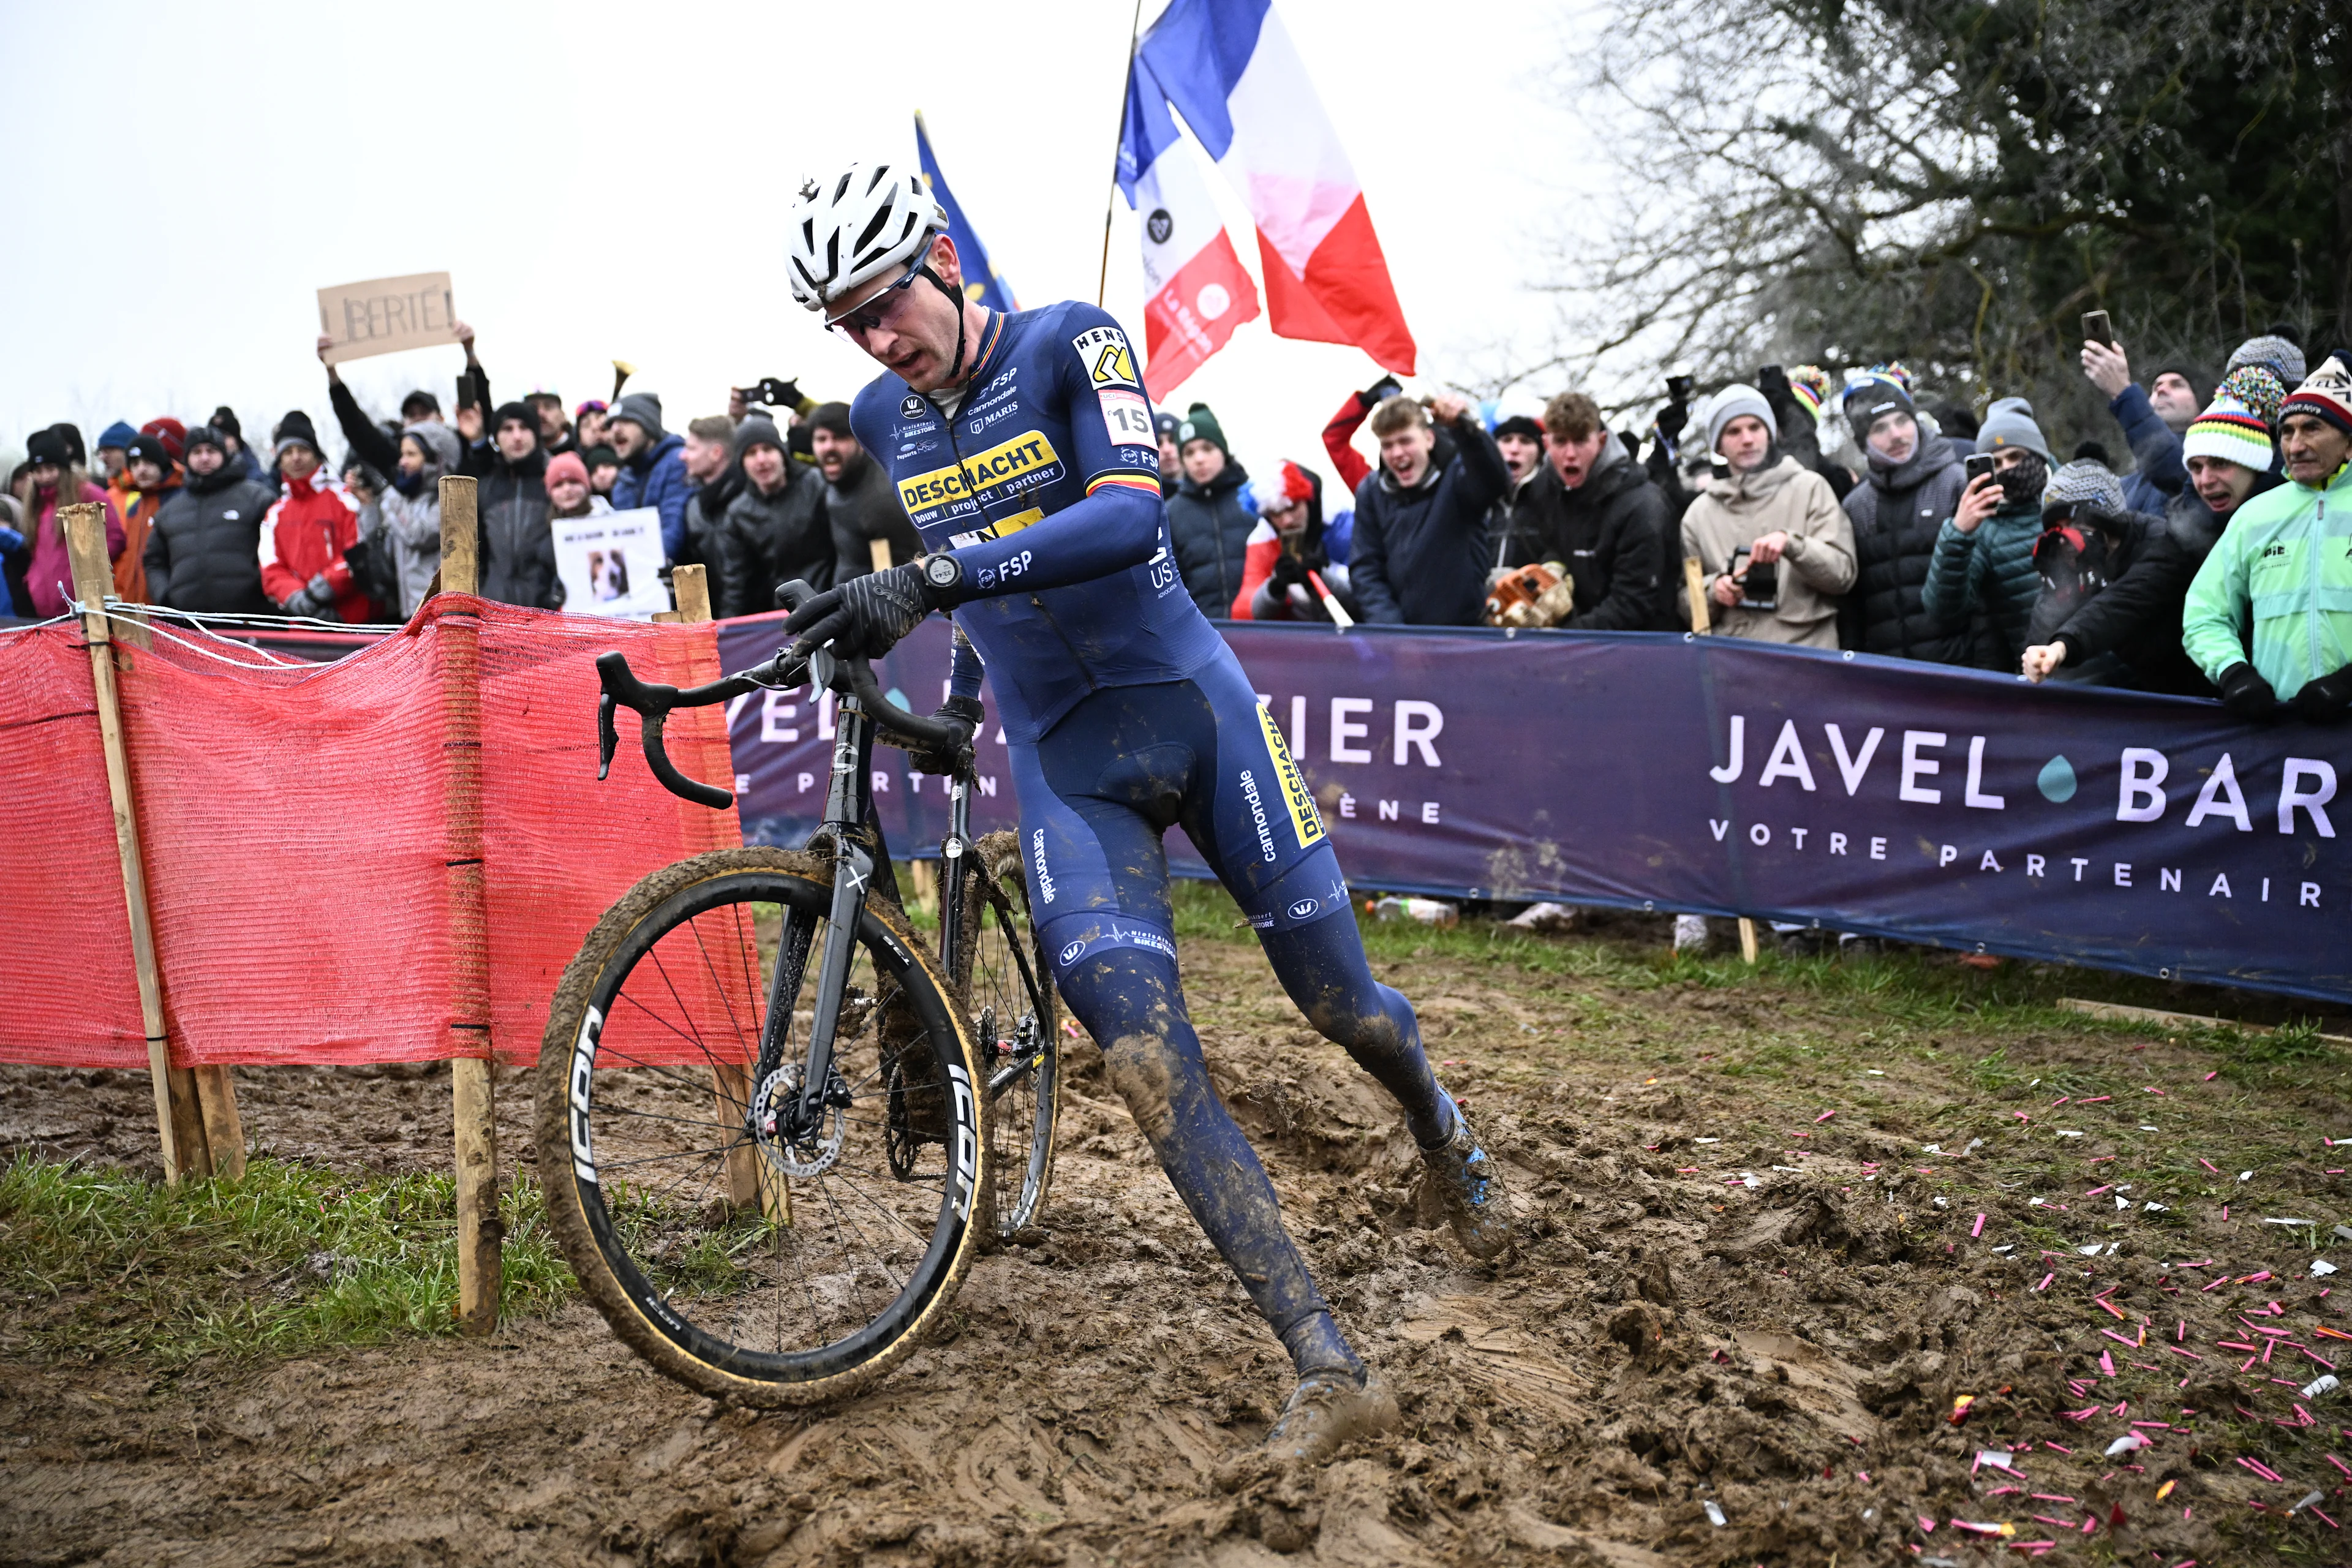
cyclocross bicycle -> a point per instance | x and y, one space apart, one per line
769 1174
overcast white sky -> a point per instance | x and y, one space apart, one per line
609 181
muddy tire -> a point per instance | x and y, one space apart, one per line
735 1259
1008 992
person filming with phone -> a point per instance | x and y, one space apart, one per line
1775 547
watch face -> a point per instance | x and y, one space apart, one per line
942 570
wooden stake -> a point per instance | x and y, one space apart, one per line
1702 624
730 1082
473 1097
879 550
178 1123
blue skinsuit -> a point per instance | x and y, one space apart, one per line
1126 714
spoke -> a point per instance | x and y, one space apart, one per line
711 969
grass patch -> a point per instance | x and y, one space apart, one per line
99 1263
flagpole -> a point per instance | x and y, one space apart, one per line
1110 203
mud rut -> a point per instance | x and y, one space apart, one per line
1668 1338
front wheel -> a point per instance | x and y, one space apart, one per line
742 1255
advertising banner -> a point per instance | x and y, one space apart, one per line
2147 833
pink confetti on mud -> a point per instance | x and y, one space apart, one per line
1824 1116
1976 1229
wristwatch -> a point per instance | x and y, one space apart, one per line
943 573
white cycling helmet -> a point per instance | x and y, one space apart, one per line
850 230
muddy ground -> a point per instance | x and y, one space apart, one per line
1670 1338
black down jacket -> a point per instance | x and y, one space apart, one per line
1210 529
204 551
518 542
1896 512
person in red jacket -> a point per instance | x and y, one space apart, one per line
308 537
1339 435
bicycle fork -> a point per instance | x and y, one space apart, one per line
852 879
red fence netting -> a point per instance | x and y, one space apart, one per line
68 995
306 844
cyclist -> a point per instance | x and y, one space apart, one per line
1025 453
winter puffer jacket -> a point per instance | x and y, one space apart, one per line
1783 497
763 540
2137 619
1988 578
1612 533
2280 572
518 544
412 523
1210 529
656 478
307 532
1898 513
1420 556
48 566
204 552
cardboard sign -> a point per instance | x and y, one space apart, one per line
610 565
386 315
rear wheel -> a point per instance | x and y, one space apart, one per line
743 1255
1009 999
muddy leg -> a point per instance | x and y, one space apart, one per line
1322 967
1130 1001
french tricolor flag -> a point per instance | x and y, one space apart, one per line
1196 290
1230 70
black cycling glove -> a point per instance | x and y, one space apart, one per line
966 714
865 616
2328 699
2247 694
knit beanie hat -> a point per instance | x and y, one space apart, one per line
2325 394
1881 390
1809 383
521 413
832 418
567 466
2236 425
117 435
642 409
2083 484
1728 405
47 447
1200 425
600 458
203 435
758 430
292 430
1164 423
171 432
71 434
151 448
2276 351
223 422
1519 425
2009 422
1290 484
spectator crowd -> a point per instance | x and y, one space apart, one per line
1828 511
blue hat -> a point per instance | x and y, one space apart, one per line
118 435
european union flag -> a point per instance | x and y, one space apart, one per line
982 281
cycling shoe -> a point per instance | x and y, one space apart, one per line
1330 1407
1470 1190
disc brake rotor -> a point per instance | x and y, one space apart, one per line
808 1155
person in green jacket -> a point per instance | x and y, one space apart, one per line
1982 569
2284 566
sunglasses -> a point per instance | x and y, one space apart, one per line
877 312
